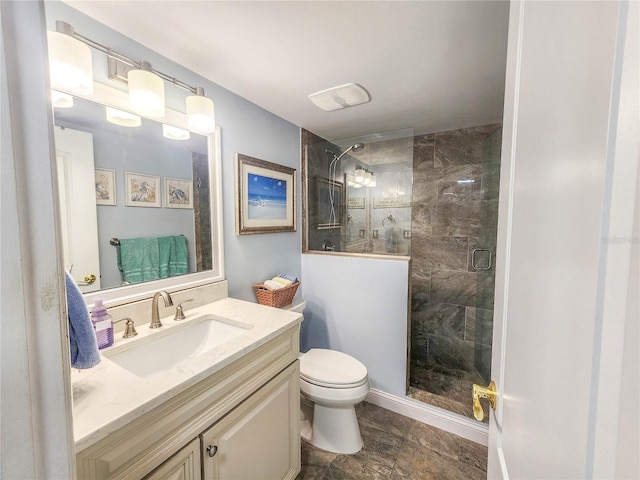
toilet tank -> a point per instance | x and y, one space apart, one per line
297 305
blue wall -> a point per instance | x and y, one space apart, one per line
245 128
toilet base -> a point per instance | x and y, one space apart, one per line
334 429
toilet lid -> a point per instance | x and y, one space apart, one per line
329 367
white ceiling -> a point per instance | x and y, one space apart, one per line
428 65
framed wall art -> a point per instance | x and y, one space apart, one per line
178 193
105 186
265 197
141 190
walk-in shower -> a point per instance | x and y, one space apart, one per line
435 199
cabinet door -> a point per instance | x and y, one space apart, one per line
259 439
184 465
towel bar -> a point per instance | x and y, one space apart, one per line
115 241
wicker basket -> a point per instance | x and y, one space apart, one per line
276 298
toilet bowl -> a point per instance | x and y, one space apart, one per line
331 384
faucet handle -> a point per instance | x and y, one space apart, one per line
179 312
129 329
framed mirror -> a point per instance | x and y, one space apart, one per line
130 187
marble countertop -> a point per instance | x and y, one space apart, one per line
107 397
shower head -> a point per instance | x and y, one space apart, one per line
355 148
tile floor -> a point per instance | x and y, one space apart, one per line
397 448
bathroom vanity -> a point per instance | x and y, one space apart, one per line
220 410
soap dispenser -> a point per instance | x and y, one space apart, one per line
102 324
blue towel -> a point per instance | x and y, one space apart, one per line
82 337
291 278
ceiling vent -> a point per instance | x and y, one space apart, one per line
343 96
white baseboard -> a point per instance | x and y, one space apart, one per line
436 417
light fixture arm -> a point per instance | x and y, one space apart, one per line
67 29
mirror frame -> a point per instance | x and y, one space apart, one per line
112 97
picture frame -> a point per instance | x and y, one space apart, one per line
178 193
323 190
265 196
141 190
105 184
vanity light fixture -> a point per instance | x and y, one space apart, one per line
372 183
363 178
124 119
61 100
146 91
70 63
175 133
146 85
200 113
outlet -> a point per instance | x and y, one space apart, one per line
375 234
406 233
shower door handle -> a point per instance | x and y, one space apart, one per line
489 392
474 263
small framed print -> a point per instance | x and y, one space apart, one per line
141 190
178 193
105 186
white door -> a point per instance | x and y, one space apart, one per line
78 216
568 276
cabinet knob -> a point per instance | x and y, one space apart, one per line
212 450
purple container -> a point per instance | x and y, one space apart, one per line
102 324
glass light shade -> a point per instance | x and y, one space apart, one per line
357 185
174 133
359 175
372 183
70 64
146 93
366 180
61 100
200 114
124 119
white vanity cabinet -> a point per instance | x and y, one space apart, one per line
248 411
184 465
258 440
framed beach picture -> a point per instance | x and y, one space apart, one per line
265 197
141 190
105 186
178 193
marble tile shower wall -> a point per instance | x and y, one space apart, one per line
455 204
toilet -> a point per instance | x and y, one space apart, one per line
331 384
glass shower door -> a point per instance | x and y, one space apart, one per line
454 222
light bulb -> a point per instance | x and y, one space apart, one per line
372 183
200 113
359 175
61 100
70 64
146 92
124 119
366 180
174 133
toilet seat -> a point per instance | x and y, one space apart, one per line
332 369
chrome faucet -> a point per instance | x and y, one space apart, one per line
155 317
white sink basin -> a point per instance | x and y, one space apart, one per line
162 351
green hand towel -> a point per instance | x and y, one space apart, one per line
174 259
138 259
